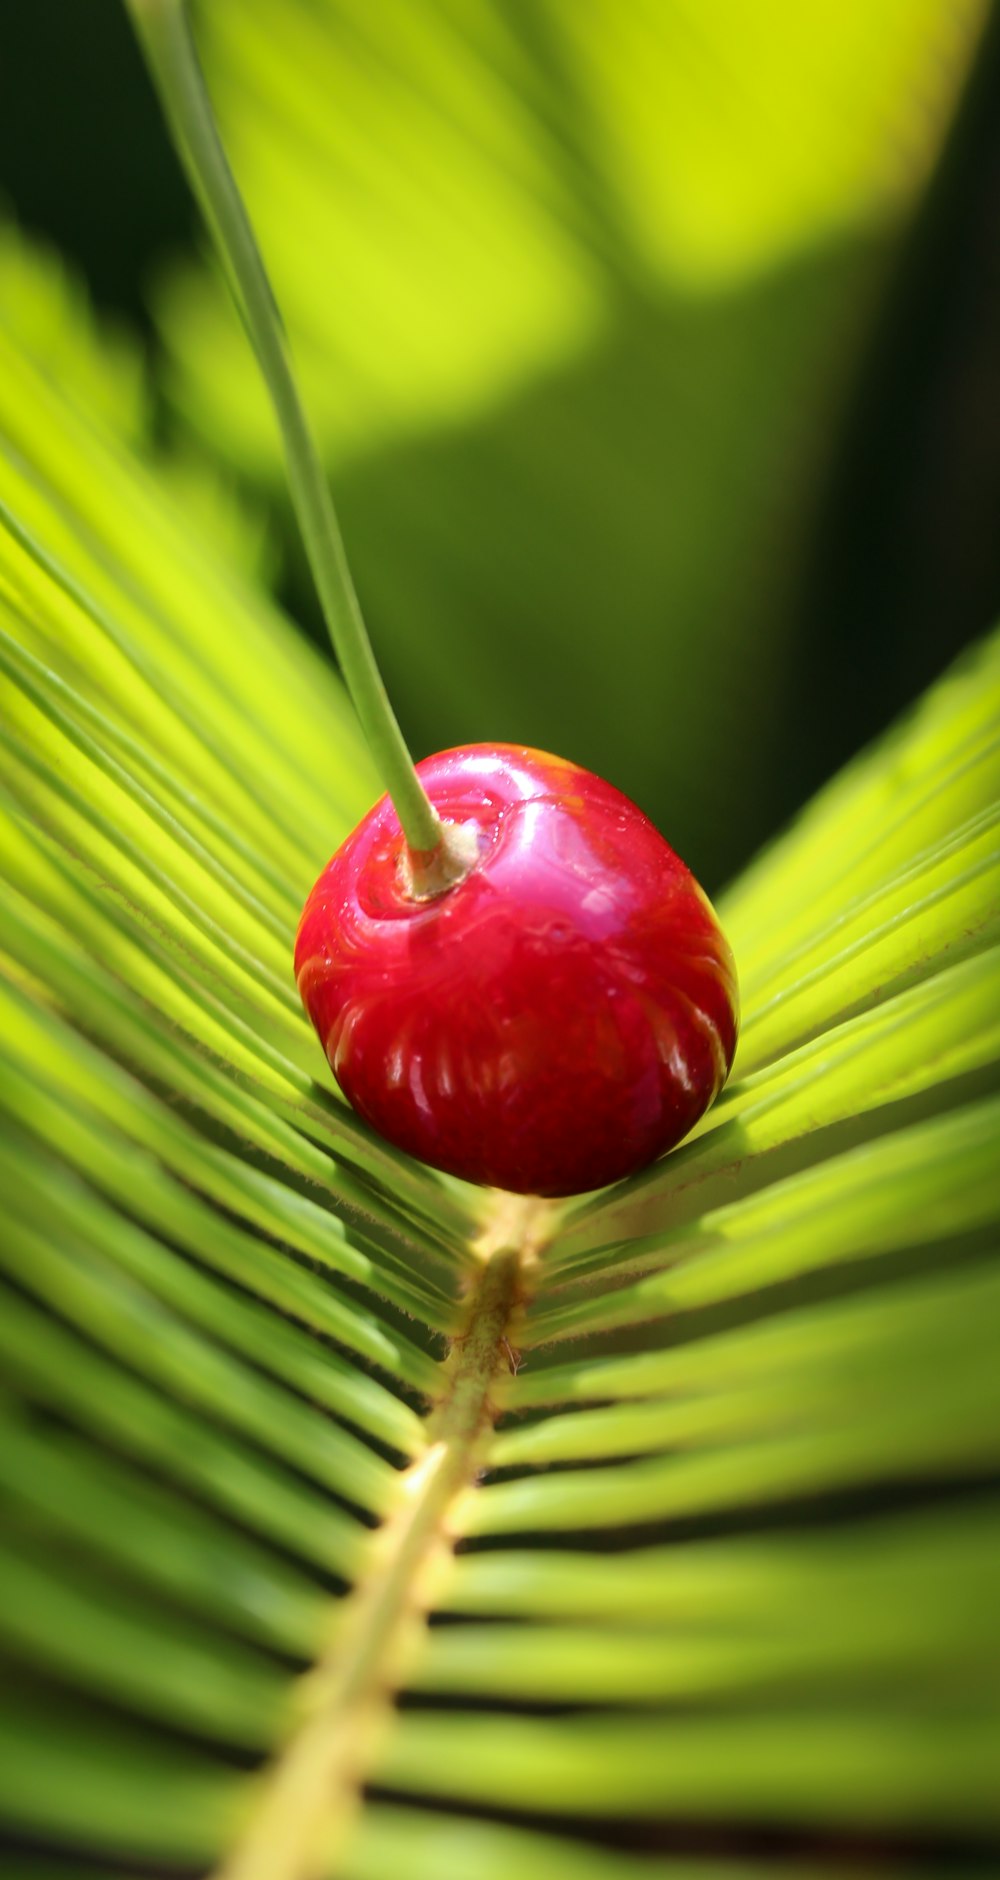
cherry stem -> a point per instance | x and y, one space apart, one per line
169 49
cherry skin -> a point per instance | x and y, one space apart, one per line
551 1023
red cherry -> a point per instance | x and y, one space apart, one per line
551 1023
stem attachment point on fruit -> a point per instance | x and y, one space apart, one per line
429 872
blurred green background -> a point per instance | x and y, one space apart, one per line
654 350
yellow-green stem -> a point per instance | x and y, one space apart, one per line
166 40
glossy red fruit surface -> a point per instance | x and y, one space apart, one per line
550 1024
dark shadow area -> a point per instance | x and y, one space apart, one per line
84 162
905 566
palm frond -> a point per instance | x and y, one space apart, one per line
724 1563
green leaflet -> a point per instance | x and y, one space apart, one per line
755 1586
48 314
121 1648
58 1373
67 1490
102 1298
728 1559
118 1787
837 1398
905 1191
425 1845
868 1766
